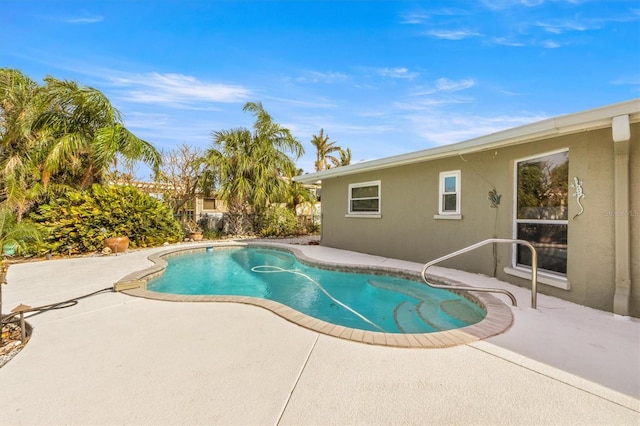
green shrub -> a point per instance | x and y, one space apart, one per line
279 222
80 221
210 234
16 238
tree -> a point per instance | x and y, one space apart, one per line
251 164
324 151
182 175
345 157
297 193
58 136
19 174
86 135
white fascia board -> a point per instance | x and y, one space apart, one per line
572 123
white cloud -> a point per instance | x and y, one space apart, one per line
430 103
166 132
298 103
321 77
506 4
550 44
445 84
633 81
146 120
422 91
397 73
504 41
442 128
563 27
85 18
176 90
373 114
452 34
413 18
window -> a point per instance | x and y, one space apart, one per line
209 204
364 199
542 188
449 193
190 208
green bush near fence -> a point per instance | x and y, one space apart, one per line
279 222
80 221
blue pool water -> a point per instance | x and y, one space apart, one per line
363 301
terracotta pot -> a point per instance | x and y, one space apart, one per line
117 244
195 236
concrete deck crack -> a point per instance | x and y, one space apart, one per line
295 384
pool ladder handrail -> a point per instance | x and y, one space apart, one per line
534 270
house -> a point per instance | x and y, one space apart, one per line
201 206
569 184
196 208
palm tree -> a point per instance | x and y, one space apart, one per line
324 149
345 157
251 165
297 193
58 135
19 107
86 135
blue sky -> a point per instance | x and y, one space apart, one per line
381 77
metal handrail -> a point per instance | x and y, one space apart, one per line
534 270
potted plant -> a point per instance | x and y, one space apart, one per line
115 242
194 230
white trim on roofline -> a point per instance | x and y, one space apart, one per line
586 120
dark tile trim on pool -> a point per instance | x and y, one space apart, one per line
498 320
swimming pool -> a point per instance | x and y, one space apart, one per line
363 301
370 306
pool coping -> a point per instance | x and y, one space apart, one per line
498 320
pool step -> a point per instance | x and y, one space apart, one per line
460 314
423 317
407 319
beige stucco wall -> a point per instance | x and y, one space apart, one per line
409 197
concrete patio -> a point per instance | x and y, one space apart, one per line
116 359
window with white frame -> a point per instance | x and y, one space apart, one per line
364 198
449 193
541 210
